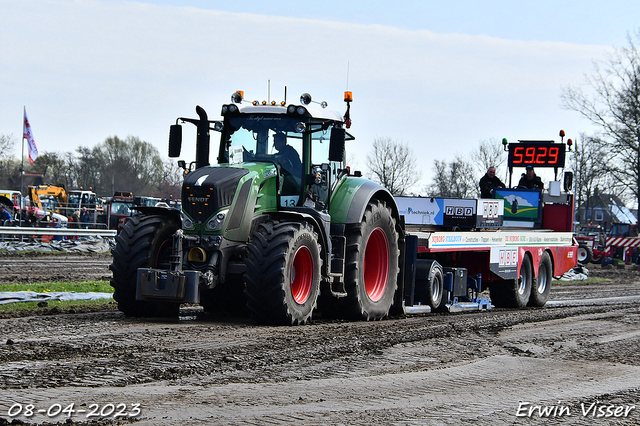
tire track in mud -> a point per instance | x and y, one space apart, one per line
470 391
54 267
435 368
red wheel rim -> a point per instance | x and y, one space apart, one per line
301 275
376 264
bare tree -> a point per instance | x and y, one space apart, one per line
613 104
55 168
590 171
453 180
393 165
490 153
7 145
8 163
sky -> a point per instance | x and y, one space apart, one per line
440 76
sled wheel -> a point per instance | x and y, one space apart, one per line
541 286
283 273
437 296
143 242
514 293
372 263
430 284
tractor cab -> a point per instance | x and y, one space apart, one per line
619 229
300 146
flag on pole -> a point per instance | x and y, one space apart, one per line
28 135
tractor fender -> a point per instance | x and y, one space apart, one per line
351 197
324 239
159 211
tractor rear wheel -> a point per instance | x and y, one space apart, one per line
283 273
514 293
143 242
541 286
372 264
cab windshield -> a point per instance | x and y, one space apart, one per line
267 137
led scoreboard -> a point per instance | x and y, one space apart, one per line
536 154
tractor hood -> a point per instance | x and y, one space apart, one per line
209 189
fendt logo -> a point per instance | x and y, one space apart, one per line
458 211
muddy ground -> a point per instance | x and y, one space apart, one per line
575 361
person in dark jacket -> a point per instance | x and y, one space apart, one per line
488 182
530 180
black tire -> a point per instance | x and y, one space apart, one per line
283 273
585 254
143 242
513 293
372 264
541 286
439 306
430 284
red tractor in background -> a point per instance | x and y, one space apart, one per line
621 242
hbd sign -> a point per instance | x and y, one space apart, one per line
460 213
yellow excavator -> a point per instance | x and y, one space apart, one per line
48 197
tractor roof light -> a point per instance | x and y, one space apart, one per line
505 142
305 99
229 109
237 97
348 97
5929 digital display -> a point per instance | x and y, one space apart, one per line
536 154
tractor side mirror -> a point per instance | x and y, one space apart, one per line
568 181
175 140
336 144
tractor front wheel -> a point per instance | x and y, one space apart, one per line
283 273
143 242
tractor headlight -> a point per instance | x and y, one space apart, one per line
186 222
215 223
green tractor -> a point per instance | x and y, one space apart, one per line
279 227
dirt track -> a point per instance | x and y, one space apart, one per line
485 367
